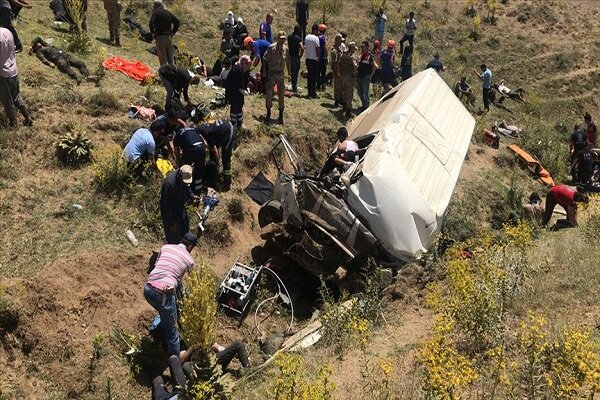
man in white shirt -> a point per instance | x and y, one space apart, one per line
10 95
312 51
411 28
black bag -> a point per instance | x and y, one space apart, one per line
152 261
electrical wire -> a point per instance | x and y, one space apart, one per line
279 286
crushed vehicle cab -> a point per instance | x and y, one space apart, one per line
390 203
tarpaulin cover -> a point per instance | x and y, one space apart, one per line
134 69
260 189
403 185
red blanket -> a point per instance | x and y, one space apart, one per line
134 69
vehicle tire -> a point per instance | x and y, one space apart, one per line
269 213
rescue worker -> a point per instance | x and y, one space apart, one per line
220 134
113 12
163 26
236 87
61 60
175 192
347 68
275 61
388 63
322 56
176 81
582 167
190 148
336 53
257 48
568 199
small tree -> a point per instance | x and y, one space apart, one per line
79 41
491 7
329 7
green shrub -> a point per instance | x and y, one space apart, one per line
112 174
74 149
103 103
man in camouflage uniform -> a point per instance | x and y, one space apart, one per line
113 11
336 53
347 68
275 61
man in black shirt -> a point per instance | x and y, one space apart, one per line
582 167
302 16
366 68
57 58
190 148
163 25
436 64
296 49
220 134
177 81
174 194
579 142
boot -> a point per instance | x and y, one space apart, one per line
268 117
280 119
226 183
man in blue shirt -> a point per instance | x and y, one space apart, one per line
486 77
258 48
265 29
141 146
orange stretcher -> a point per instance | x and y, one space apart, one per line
534 165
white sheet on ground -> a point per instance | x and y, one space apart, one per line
412 165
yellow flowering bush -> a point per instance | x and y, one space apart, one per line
376 378
292 381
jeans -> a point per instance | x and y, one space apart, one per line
322 73
295 64
237 348
313 74
363 91
166 305
486 98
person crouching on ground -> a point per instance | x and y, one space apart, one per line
568 199
163 283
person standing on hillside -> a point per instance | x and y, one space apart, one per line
163 26
165 282
113 12
379 21
275 62
388 64
336 53
322 56
347 68
10 93
6 16
265 32
313 50
567 199
236 87
591 131
366 69
302 16
296 49
579 142
486 78
175 192
409 36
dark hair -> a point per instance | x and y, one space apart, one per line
483 66
436 55
226 62
342 132
315 28
580 198
297 29
411 13
365 43
587 116
534 196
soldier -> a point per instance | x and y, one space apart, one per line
336 53
275 61
113 11
347 68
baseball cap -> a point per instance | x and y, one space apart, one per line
186 173
189 238
248 40
352 45
339 36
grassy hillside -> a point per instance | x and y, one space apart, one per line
71 284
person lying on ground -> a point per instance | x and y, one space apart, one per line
164 281
505 91
568 199
236 349
63 61
220 134
463 90
176 81
180 373
579 141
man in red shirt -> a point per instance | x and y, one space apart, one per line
564 196
591 131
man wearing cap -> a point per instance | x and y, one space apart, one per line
336 53
257 48
323 59
190 148
10 93
163 25
176 81
275 62
347 68
312 50
265 29
165 281
388 64
220 134
175 192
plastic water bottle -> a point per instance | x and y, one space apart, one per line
131 238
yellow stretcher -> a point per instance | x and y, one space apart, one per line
534 165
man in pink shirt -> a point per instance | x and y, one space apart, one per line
10 95
163 284
568 199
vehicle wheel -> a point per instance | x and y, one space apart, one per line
269 213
